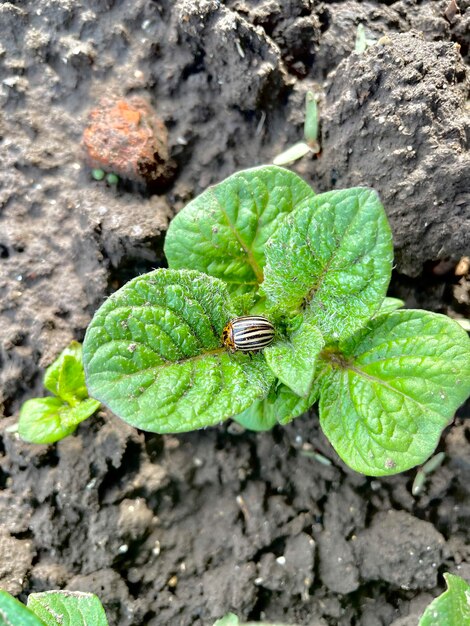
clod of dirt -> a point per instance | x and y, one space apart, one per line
338 569
396 121
243 63
126 137
416 608
135 518
111 589
223 585
410 551
292 572
48 575
16 556
291 25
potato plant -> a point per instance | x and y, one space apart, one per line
317 266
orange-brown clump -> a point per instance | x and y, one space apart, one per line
126 137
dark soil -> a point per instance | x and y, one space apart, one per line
180 530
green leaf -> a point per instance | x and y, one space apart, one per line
282 408
65 378
153 353
256 418
223 231
68 608
333 257
388 305
13 613
452 608
293 360
47 420
386 399
228 620
74 415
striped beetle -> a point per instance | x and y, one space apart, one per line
248 333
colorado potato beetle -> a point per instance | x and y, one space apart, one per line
248 333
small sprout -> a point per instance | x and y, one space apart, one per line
239 48
310 145
323 460
433 463
294 153
418 483
98 174
311 121
49 419
112 179
428 468
362 41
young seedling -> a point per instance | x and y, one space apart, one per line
311 144
362 41
428 468
49 419
52 608
317 267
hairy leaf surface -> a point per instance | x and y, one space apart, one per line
65 377
154 355
386 399
224 230
293 360
68 608
332 257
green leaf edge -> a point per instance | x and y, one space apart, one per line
42 604
433 615
16 609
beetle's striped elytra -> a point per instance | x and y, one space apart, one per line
248 333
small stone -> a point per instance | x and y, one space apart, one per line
126 137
